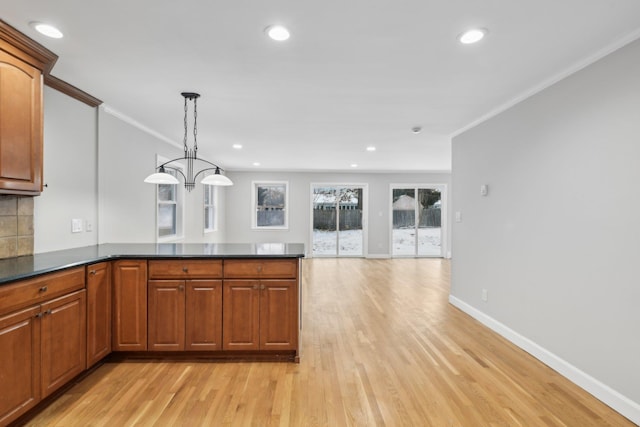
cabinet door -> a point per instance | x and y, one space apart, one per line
278 315
19 363
129 316
63 340
203 315
98 312
241 315
166 315
20 126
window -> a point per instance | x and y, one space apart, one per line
270 201
209 208
169 215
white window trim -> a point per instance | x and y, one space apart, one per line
254 205
180 210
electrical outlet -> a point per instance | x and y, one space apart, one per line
485 295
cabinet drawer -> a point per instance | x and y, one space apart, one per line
185 269
32 291
261 268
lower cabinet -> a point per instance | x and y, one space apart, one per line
98 281
260 315
63 340
19 367
47 343
185 315
129 315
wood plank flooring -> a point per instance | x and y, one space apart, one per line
381 347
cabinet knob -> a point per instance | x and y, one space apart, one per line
47 312
43 289
92 272
185 269
39 315
255 286
262 287
181 288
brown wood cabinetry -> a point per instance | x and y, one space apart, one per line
129 315
260 312
20 366
22 63
185 313
42 329
98 278
63 340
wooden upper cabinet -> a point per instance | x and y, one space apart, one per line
22 64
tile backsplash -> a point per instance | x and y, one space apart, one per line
16 226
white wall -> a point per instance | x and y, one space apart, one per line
70 164
239 205
557 240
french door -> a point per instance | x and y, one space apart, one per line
338 227
416 221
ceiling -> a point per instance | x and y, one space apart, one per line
353 74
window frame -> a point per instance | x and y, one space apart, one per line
178 202
255 185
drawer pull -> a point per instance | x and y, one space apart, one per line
185 269
43 289
259 269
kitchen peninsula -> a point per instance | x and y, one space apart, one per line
62 312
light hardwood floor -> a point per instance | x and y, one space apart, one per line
381 347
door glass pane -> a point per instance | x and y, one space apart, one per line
404 221
429 231
350 235
325 236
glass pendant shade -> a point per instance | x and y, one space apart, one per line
161 178
216 179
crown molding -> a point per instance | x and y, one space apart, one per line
70 90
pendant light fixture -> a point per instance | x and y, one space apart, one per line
190 158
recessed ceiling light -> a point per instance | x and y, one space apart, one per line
47 30
416 129
256 163
277 32
237 146
354 165
371 148
472 36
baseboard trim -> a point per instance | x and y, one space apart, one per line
379 256
601 391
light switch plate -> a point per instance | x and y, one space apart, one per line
76 225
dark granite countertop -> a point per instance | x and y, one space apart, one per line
12 269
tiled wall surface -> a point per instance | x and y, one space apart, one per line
16 226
